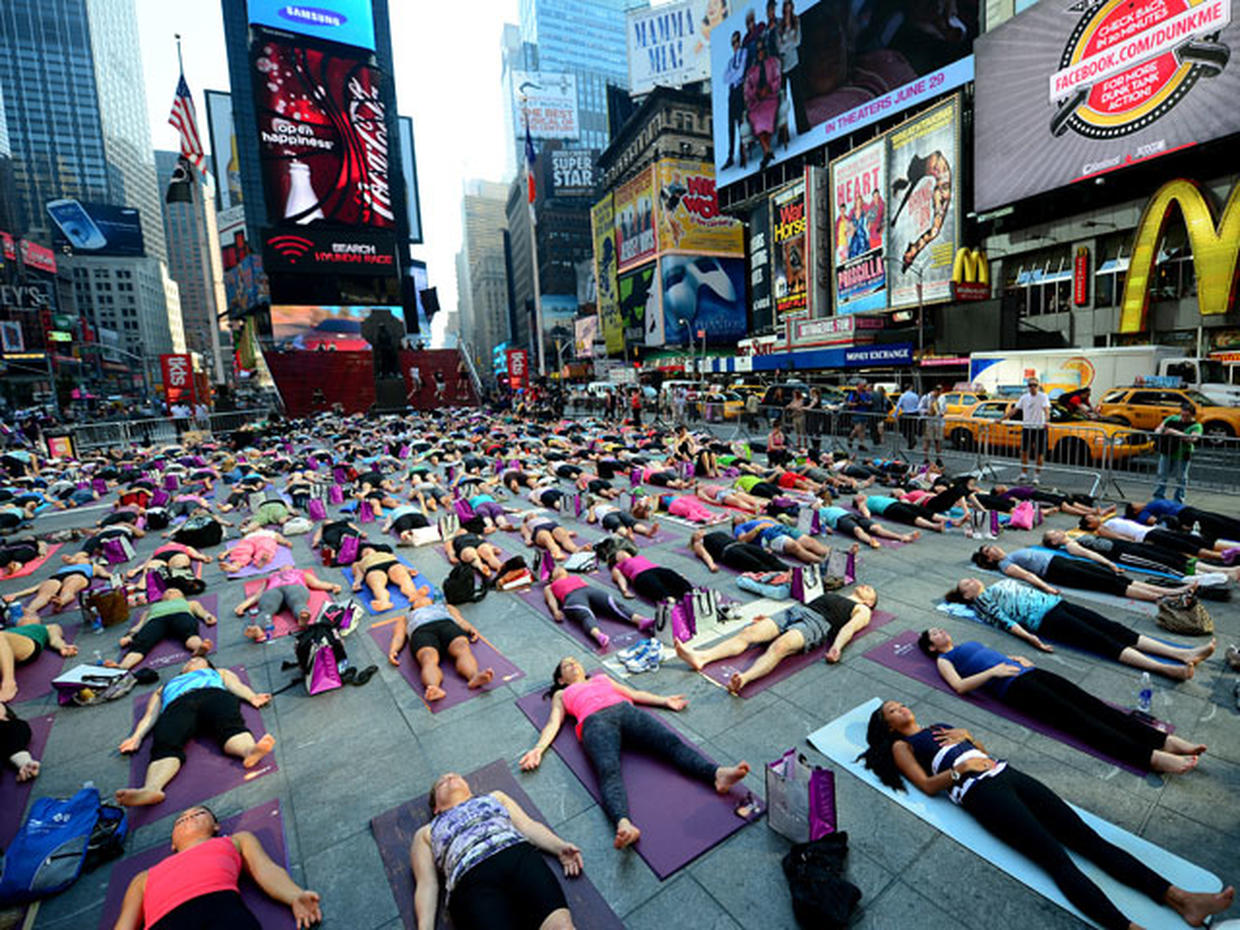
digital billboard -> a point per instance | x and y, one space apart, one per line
225 163
859 240
585 330
702 295
559 311
96 229
688 211
245 284
547 102
1067 92
788 282
321 329
760 266
421 327
329 251
669 45
601 224
923 157
636 240
639 296
350 22
322 135
409 171
781 88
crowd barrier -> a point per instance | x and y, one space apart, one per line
159 430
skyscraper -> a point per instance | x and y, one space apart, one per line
481 270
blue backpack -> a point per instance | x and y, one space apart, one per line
60 838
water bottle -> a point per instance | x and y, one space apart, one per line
15 613
270 628
98 657
1145 695
96 622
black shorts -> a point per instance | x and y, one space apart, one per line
660 479
514 889
766 489
1033 440
179 626
209 911
381 566
598 485
613 521
437 635
847 526
410 521
211 712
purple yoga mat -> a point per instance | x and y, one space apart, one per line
721 672
267 825
282 559
169 651
900 654
393 832
207 772
455 687
679 818
35 680
15 794
661 536
622 634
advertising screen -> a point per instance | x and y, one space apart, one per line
321 329
828 70
328 251
602 223
924 204
225 163
639 303
570 172
96 229
584 331
548 102
760 266
1071 91
409 171
559 312
688 211
421 327
34 255
322 135
178 378
820 269
859 240
245 285
636 241
350 22
669 45
702 295
788 284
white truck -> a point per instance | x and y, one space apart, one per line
1061 370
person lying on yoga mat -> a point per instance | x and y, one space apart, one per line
547 496
376 500
1044 569
474 551
15 739
15 554
375 568
492 511
637 573
724 496
600 487
170 555
1137 555
171 617
831 619
436 632
1189 544
1210 525
607 718
1078 505
202 529
862 529
62 589
425 489
485 849
200 699
615 520
538 529
197 887
257 548
1030 614
1020 811
287 589
571 597
333 532
870 504
717 548
271 512
784 540
403 520
686 507
1057 702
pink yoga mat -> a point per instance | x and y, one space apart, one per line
15 794
721 672
622 634
35 680
31 567
453 685
394 830
679 818
207 772
267 825
286 623
282 559
170 652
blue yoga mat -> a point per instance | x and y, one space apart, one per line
399 601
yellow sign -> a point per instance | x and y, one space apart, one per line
1215 250
689 220
602 222
971 267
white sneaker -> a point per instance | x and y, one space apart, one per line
1037 479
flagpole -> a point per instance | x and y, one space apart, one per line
180 61
538 316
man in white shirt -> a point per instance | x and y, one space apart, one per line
931 408
908 408
1034 408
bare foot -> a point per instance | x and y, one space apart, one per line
1180 672
1182 747
303 617
435 693
875 544
255 633
833 654
1204 652
8 691
482 679
138 797
626 834
204 648
914 536
728 775
854 548
1195 907
735 683
261 748
690 657
1169 764
380 606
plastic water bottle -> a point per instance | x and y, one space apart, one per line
270 629
98 657
15 613
1145 696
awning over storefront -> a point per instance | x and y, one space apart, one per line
895 355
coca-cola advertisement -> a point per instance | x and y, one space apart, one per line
322 133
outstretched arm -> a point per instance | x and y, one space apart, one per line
541 835
144 725
531 759
425 879
130 917
242 690
275 881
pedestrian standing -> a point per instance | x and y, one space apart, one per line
1176 437
1034 408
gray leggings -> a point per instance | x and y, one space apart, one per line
294 597
586 605
606 731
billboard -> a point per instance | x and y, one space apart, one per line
832 68
669 45
409 172
788 283
702 295
636 241
820 270
321 329
518 369
350 22
178 379
639 297
859 240
322 135
760 266
225 163
548 103
36 256
1072 91
688 211
245 284
569 172
584 332
329 251
421 327
601 224
96 229
923 156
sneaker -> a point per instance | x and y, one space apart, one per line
1233 657
1037 479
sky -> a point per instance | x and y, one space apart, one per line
452 92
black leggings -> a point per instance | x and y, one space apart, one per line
1214 526
14 736
1188 543
1089 576
208 912
1058 702
211 712
1154 558
1087 630
586 605
656 584
513 889
1033 820
605 732
746 557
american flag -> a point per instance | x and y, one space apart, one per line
186 123
530 157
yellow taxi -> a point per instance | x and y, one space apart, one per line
727 405
958 403
1145 408
1069 437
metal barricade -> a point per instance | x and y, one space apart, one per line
159 430
1142 465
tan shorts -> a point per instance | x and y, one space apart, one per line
933 430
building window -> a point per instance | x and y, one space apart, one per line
1045 278
1112 268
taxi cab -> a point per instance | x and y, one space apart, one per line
1145 408
1069 437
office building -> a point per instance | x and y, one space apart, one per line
481 272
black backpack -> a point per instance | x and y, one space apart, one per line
821 897
462 586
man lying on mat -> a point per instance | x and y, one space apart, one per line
833 618
435 632
1057 702
201 699
375 567
1020 811
607 717
485 849
196 888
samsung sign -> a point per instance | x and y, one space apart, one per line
350 22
